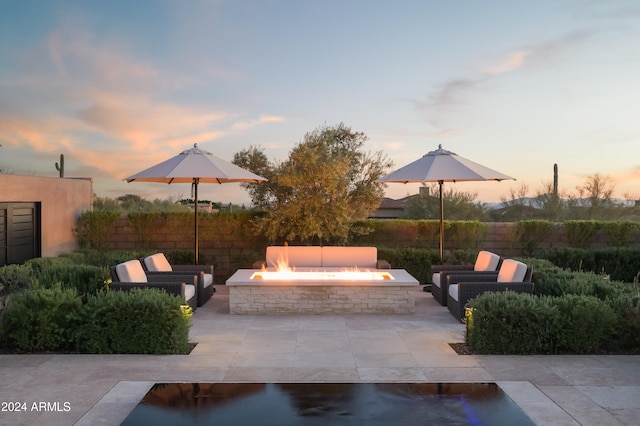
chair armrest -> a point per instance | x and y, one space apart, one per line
383 264
480 276
207 269
440 268
469 290
173 276
175 288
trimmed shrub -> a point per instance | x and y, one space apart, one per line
627 332
620 263
512 323
575 259
530 233
85 279
621 232
15 278
94 228
414 260
579 232
142 321
587 323
41 320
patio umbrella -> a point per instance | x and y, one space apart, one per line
195 166
442 166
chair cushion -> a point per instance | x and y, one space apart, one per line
435 279
189 291
486 261
157 263
131 272
208 280
453 291
512 271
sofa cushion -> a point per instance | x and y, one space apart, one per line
157 263
512 271
349 257
453 291
305 256
131 272
486 261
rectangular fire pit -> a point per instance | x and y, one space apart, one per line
389 291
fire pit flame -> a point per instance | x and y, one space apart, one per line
284 272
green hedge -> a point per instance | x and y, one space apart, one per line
571 312
142 321
41 320
619 263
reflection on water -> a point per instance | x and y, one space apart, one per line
284 404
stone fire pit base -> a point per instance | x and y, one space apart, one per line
250 297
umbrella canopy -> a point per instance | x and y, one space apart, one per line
195 166
442 166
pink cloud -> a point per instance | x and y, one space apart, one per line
511 62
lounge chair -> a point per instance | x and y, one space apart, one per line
128 275
485 262
157 264
512 276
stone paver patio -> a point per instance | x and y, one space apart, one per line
103 389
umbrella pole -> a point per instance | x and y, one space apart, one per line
441 183
195 209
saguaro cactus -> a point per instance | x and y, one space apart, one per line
60 167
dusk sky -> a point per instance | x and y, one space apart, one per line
118 86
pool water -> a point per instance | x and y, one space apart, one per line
336 404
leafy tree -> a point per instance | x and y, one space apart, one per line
458 205
324 185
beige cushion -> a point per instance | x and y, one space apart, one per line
512 271
453 291
435 279
157 263
208 280
131 272
294 255
189 291
486 261
349 257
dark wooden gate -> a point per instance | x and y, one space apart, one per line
19 232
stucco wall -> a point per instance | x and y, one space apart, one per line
62 201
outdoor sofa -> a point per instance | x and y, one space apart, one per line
486 261
129 275
512 276
157 264
322 257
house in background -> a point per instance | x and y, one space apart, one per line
38 215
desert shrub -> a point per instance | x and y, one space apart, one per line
530 233
551 281
622 232
512 323
142 321
181 257
586 323
93 228
575 259
15 278
41 320
85 279
41 264
113 257
467 234
626 335
579 232
620 263
416 261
